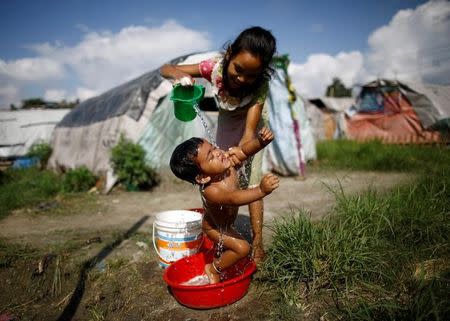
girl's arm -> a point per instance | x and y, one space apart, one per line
251 122
219 195
180 71
251 147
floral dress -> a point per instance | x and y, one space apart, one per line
233 115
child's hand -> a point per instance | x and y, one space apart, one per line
235 155
265 136
268 183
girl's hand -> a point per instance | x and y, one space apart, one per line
185 80
268 183
265 136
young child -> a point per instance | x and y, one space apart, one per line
239 78
199 162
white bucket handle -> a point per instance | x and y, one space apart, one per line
156 248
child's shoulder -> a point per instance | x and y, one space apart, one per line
212 192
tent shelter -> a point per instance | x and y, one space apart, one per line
327 116
400 112
142 110
20 129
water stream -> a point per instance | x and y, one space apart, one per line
209 135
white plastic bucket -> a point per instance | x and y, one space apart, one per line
177 234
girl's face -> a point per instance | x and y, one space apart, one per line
243 70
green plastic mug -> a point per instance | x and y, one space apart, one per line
184 98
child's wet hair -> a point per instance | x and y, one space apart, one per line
260 43
182 161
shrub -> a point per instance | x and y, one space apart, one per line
78 180
128 160
42 151
24 187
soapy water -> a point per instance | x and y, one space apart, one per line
197 280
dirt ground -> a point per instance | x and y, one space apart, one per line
97 261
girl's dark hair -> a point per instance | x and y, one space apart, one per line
260 43
182 161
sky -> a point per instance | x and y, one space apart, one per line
71 49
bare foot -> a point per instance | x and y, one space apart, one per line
258 254
213 276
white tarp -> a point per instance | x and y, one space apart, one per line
19 129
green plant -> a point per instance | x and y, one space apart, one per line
24 187
379 256
42 151
128 161
376 156
78 180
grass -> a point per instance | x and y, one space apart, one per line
21 188
375 156
375 255
11 252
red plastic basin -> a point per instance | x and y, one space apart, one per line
235 285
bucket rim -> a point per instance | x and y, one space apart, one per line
195 216
197 97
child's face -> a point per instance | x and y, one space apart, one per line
212 160
243 70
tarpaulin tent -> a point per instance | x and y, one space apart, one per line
327 116
20 129
142 110
399 112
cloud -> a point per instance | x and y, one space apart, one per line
31 69
101 60
311 78
413 46
54 94
10 94
85 93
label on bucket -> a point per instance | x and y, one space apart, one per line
177 234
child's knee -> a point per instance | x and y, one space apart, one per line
243 249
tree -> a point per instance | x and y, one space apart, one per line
338 89
32 103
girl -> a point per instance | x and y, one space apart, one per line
240 79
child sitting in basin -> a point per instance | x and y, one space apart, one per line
199 162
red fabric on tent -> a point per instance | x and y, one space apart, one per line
398 124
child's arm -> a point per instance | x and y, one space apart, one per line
219 195
251 147
177 72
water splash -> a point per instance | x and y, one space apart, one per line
244 173
208 131
220 245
